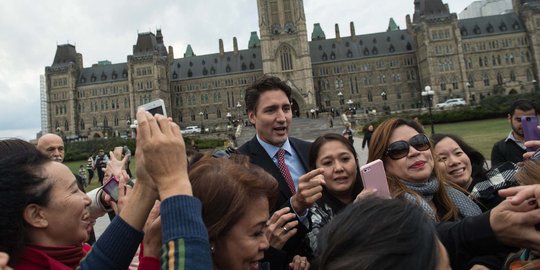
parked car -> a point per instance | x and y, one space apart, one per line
451 103
191 130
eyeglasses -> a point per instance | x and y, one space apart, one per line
224 153
400 149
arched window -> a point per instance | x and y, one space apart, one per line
486 80
286 58
105 122
81 124
499 79
94 122
66 125
116 120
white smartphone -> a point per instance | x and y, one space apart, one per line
374 177
156 106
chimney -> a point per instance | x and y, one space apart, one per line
221 51
338 36
235 45
353 32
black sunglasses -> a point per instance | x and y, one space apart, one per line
224 153
400 149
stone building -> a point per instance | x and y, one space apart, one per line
379 72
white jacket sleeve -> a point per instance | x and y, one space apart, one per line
96 208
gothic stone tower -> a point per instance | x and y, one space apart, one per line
285 48
529 12
440 64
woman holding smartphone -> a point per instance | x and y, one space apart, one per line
413 176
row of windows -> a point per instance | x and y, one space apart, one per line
497 60
143 71
214 84
60 109
323 84
103 105
380 64
366 52
144 85
60 95
440 34
95 92
499 76
59 82
494 44
203 99
104 77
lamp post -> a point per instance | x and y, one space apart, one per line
384 97
340 96
202 126
229 117
238 111
429 93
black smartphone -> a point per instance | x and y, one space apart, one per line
530 130
111 188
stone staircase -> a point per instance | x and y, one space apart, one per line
302 128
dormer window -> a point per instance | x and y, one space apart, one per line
175 75
490 28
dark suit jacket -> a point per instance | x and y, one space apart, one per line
279 259
258 156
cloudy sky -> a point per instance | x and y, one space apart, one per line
107 30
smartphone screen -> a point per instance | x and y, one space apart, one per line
530 130
155 110
111 188
156 106
374 177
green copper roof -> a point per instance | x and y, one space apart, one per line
318 33
189 51
254 40
392 26
104 62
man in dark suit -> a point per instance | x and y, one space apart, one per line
268 106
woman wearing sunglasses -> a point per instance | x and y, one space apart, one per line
412 174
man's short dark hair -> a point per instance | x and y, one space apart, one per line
261 85
523 105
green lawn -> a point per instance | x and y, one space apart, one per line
74 167
479 134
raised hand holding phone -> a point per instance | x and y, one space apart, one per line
309 190
374 177
529 125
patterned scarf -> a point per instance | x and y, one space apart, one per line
426 190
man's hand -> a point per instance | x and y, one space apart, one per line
309 190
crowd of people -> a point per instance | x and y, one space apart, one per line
275 202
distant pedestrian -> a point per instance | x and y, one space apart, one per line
90 167
348 133
331 120
101 163
82 176
367 135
